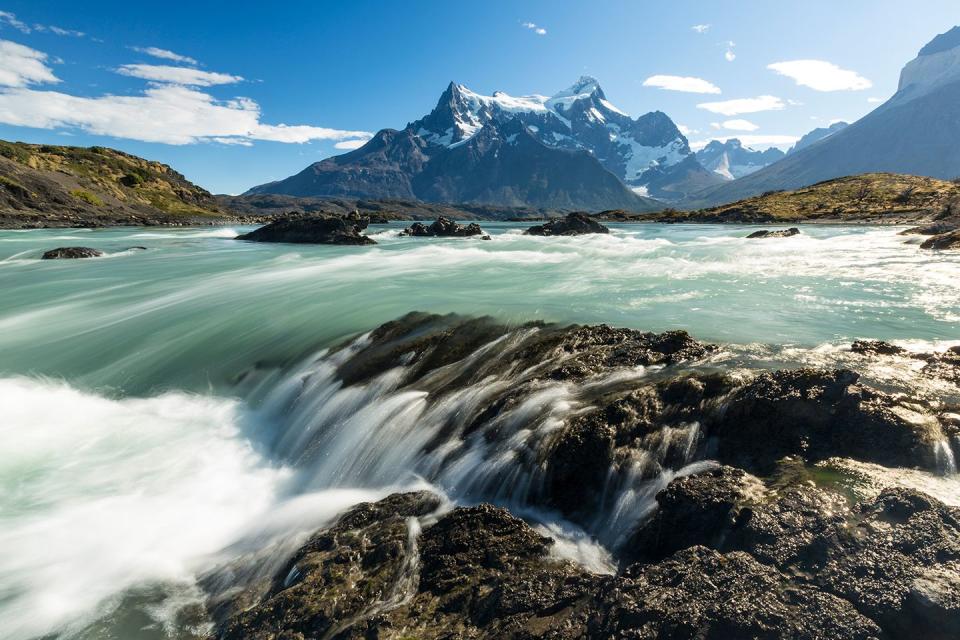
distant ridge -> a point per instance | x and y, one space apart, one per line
916 132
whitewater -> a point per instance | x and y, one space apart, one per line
168 411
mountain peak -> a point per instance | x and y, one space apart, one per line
941 43
584 87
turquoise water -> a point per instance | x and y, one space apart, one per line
126 467
196 307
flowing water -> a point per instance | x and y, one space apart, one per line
160 405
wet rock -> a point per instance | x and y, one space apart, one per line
943 241
443 228
932 229
574 224
313 230
700 593
482 573
339 576
700 509
895 558
819 414
766 233
70 253
876 348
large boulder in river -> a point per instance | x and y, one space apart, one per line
766 233
69 253
574 224
313 230
950 240
442 227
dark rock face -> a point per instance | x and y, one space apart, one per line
943 241
442 228
817 415
766 233
313 230
779 545
895 557
65 253
876 348
482 573
574 224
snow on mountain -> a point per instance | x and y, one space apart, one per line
577 118
732 160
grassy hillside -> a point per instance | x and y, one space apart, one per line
55 186
873 197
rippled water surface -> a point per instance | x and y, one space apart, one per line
126 462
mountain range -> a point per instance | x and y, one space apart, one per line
571 150
576 150
917 131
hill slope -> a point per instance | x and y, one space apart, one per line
882 198
915 132
55 186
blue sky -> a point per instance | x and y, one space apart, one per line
206 86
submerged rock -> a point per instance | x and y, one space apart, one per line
766 233
313 230
443 228
574 224
70 253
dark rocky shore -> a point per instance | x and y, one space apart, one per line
763 541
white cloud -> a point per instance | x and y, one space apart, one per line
351 144
701 28
177 75
59 31
10 19
875 100
755 141
821 75
165 54
20 65
685 130
681 83
739 125
729 55
744 105
167 114
540 31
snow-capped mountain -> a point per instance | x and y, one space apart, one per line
731 160
917 132
575 127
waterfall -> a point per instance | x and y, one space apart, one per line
401 425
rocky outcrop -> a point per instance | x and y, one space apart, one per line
876 348
766 233
895 557
65 253
481 573
574 224
722 494
313 230
444 227
943 241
